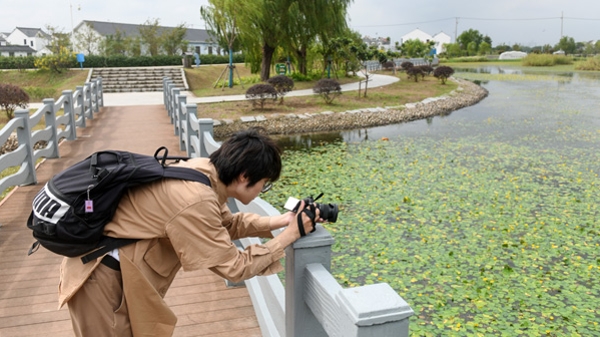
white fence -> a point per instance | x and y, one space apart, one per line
77 105
312 303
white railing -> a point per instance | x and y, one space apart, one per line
77 105
312 303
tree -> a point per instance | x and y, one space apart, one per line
416 48
282 84
115 44
172 40
567 44
86 39
469 36
309 20
221 18
328 88
264 33
12 97
58 40
57 62
261 92
149 36
443 73
452 49
472 48
484 48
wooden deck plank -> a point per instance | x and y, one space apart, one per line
29 284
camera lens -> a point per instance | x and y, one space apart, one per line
328 212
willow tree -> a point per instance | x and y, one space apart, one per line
310 20
221 17
263 32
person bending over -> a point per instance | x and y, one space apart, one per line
181 224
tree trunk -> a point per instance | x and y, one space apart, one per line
265 69
302 63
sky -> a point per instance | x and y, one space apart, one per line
526 22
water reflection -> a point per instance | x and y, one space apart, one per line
534 112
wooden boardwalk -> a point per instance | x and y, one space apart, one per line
28 284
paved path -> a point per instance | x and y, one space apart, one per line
152 98
28 284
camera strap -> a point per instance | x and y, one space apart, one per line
310 212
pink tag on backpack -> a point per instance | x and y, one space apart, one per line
89 206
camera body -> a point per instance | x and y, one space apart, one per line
327 212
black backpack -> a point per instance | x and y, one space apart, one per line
70 212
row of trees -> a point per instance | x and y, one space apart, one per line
282 30
472 42
152 40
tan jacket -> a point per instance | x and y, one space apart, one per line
182 224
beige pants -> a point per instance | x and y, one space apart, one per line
98 309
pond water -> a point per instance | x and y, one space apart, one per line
485 220
522 106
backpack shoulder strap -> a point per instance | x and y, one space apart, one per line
173 172
186 174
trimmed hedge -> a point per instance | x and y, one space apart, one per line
95 61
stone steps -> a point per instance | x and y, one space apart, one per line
138 79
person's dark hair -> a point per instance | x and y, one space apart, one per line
251 153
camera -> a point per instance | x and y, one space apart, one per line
327 212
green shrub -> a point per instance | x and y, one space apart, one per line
38 94
58 62
414 73
12 97
26 62
589 64
260 93
328 88
312 75
282 84
443 73
545 60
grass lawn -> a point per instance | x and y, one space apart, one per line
202 80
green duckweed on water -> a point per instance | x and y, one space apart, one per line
480 234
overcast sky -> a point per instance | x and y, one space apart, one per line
527 22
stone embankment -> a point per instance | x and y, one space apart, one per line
467 94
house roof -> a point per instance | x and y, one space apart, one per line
31 32
16 48
110 28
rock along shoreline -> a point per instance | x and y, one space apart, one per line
467 94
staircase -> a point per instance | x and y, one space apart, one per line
140 79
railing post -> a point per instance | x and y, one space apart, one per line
95 96
174 94
313 248
170 97
191 112
100 93
51 122
70 112
165 91
179 119
206 125
24 137
81 104
88 100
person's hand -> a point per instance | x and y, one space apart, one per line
282 220
308 219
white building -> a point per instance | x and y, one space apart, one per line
382 43
198 40
16 51
34 38
440 39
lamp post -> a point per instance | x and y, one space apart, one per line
71 10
